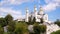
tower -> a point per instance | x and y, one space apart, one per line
27 15
41 12
35 12
35 9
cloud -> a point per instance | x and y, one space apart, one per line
52 1
10 11
13 2
15 13
51 5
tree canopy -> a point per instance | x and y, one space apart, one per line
57 22
3 22
21 28
8 18
38 29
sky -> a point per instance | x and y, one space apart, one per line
17 8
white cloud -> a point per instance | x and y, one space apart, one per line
51 5
10 11
13 2
52 1
18 16
15 13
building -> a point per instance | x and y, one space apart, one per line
37 14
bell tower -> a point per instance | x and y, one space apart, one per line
35 12
41 12
27 15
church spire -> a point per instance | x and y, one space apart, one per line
41 10
35 11
27 10
35 8
27 14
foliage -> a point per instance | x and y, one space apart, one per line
21 28
43 28
8 18
11 26
39 28
57 32
1 30
3 22
36 28
57 22
5 33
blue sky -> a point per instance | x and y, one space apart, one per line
17 8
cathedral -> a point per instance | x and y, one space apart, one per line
37 14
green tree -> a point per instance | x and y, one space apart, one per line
10 24
21 28
11 27
57 22
1 30
8 18
42 28
3 22
38 29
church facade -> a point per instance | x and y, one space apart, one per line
37 14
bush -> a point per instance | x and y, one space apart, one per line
21 28
57 22
1 30
3 22
39 28
11 27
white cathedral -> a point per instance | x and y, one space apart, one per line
51 27
37 14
